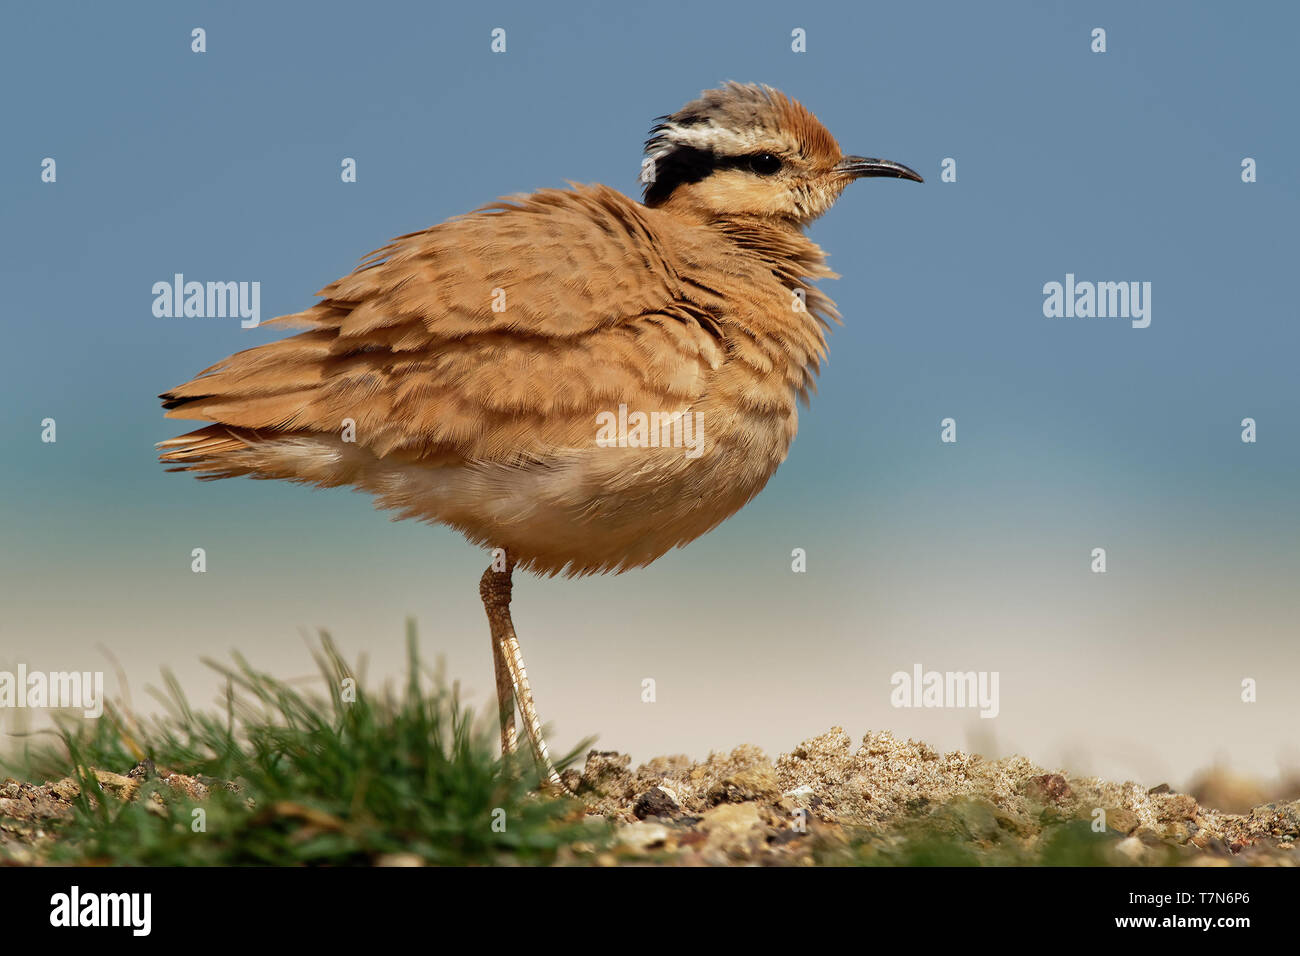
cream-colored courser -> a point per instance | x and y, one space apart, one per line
462 374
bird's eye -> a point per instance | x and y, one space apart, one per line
765 164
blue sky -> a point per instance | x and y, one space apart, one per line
1072 433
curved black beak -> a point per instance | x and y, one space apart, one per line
860 167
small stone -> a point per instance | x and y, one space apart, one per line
65 789
606 772
733 819
643 836
1048 788
802 797
752 783
734 832
1122 821
1175 832
655 802
1178 806
186 786
117 784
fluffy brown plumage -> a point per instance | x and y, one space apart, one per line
485 420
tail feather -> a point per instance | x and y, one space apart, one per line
225 451
212 451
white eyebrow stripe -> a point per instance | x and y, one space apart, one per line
713 139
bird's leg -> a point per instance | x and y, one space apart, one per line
495 588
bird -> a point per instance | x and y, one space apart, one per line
575 379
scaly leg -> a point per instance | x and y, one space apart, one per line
495 589
512 680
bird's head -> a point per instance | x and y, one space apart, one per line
748 150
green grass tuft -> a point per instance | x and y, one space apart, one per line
318 779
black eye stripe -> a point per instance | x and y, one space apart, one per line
686 164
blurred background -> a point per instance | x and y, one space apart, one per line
1073 434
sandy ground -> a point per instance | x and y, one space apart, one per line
828 801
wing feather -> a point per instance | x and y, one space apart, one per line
495 336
